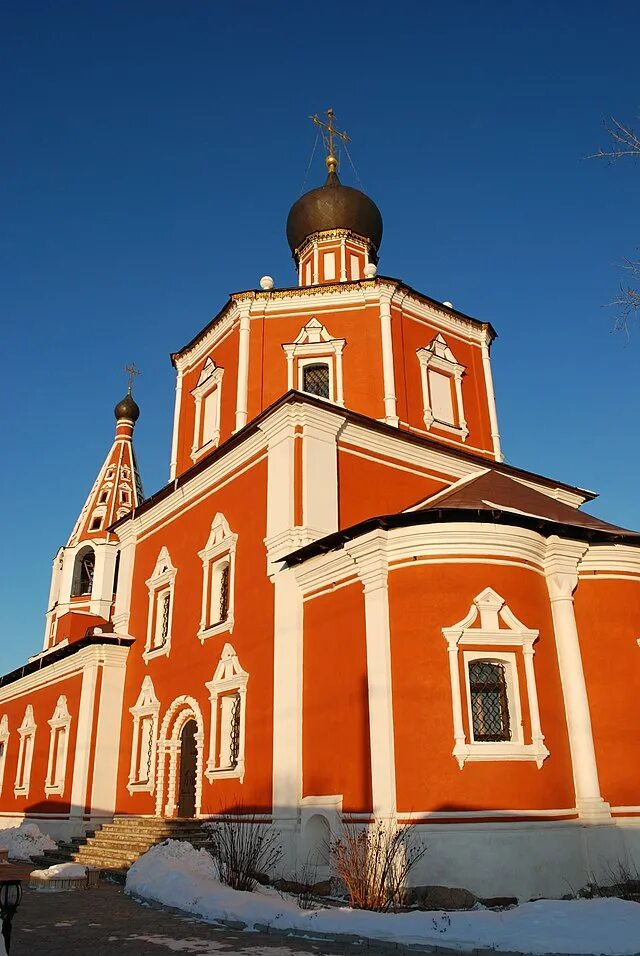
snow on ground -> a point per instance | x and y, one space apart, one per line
176 874
25 841
61 871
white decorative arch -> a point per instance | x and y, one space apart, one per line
27 731
227 689
180 710
145 713
218 561
59 723
161 588
493 630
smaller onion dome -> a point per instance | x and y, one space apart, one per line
127 408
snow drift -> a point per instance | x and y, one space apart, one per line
178 875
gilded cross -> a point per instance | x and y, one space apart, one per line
132 371
328 133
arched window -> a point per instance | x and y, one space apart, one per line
83 572
315 379
489 701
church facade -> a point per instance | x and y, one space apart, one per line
344 604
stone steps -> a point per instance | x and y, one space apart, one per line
116 846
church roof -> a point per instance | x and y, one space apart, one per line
333 206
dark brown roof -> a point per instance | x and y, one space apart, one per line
495 491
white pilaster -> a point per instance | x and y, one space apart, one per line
343 260
371 564
315 262
320 471
243 366
388 374
287 696
125 578
562 577
83 741
107 739
176 424
103 575
491 399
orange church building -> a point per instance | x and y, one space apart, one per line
344 603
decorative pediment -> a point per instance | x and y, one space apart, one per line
220 532
229 667
439 347
489 619
312 333
206 372
147 701
4 727
163 565
61 714
28 724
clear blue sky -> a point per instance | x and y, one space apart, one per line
149 153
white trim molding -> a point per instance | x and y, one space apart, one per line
145 713
209 383
561 570
314 344
227 689
161 586
27 731
218 555
59 723
4 745
492 610
438 357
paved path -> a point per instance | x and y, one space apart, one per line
105 922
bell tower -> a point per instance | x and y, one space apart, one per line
85 571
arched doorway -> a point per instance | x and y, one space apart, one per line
187 776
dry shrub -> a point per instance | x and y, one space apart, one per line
374 863
244 848
621 879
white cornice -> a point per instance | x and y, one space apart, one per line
109 654
611 558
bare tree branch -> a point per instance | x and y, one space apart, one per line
626 142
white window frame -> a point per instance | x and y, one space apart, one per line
491 642
438 357
163 579
313 345
229 677
220 548
27 731
59 723
147 706
210 380
4 740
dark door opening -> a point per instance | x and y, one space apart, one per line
187 786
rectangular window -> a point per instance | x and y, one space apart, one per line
489 701
329 260
95 524
163 606
441 397
229 731
146 750
355 267
307 274
210 416
315 379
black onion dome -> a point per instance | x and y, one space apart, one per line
333 206
127 408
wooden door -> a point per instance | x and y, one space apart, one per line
187 784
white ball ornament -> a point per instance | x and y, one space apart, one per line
266 283
370 270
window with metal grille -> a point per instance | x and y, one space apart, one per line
489 701
234 748
162 629
223 610
315 379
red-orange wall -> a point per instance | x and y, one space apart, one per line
335 724
424 599
190 663
608 619
43 700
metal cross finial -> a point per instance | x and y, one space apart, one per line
328 133
132 371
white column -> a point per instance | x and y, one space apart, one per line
315 262
371 564
491 398
343 260
103 575
320 471
176 424
107 738
83 740
125 578
388 374
562 578
243 366
287 696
